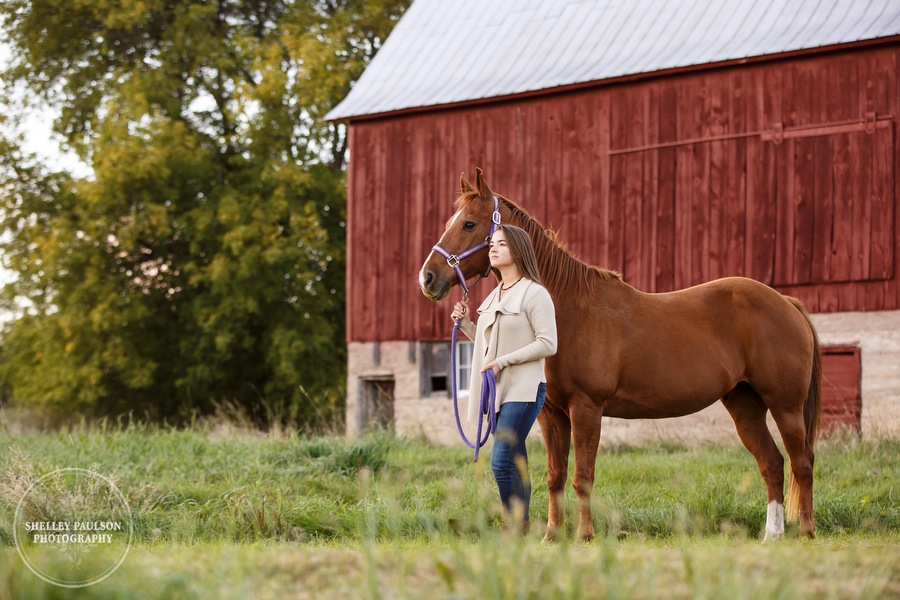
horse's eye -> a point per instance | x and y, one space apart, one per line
469 226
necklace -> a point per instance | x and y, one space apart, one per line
504 289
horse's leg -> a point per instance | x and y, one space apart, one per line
793 433
557 432
749 414
586 419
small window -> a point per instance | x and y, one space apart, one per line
436 368
464 352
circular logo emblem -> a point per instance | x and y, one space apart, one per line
73 528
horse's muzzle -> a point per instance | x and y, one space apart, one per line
433 287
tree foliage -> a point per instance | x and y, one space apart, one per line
202 260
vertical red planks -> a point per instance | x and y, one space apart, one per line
881 262
823 211
762 201
674 180
666 231
650 202
803 204
684 175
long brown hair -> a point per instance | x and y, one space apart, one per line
522 252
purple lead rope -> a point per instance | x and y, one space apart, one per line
487 406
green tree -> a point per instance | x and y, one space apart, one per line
203 258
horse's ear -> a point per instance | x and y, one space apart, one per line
483 190
464 186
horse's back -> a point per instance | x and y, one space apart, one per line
727 304
683 350
743 311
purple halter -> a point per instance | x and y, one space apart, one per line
454 259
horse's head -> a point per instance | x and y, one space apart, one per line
461 253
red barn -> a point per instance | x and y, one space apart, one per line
675 142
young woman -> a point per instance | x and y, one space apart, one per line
516 331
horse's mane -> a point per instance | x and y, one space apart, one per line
561 270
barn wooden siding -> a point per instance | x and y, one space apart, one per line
783 171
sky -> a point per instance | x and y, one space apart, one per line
39 134
39 139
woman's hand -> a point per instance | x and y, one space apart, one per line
460 311
492 366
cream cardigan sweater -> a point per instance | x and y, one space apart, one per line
519 332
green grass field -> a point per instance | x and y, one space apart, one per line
220 512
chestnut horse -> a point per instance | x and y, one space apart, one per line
633 355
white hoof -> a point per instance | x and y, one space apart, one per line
774 522
773 536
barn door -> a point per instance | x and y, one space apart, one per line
834 195
841 394
376 407
811 205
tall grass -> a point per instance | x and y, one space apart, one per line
198 486
385 517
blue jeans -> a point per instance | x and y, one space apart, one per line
509 459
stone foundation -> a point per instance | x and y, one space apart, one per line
878 336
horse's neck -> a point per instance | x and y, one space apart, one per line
562 273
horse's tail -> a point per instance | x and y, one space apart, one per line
812 409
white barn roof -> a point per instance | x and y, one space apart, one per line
448 51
